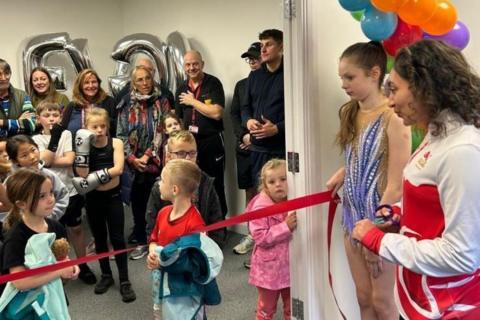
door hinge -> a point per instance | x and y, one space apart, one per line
297 308
289 9
293 161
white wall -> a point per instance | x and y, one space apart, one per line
98 21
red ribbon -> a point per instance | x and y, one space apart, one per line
289 205
59 265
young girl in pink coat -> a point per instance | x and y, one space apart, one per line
270 271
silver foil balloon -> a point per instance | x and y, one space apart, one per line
58 77
178 45
38 48
128 47
121 77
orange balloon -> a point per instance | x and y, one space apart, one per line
388 5
443 20
417 12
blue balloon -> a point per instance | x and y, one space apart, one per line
378 25
354 5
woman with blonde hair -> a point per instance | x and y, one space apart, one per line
87 93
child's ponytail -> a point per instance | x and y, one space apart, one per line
12 218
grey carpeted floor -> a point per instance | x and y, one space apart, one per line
238 297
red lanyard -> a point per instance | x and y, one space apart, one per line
196 92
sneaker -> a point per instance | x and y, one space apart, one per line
106 281
244 246
139 253
86 275
128 295
247 264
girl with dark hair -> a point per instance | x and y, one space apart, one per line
437 250
32 198
24 153
41 88
376 147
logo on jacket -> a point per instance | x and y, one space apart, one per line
423 160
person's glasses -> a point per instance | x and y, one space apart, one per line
251 60
183 154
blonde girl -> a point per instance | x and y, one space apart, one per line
269 270
101 183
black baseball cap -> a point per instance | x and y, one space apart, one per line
253 51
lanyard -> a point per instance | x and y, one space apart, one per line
196 92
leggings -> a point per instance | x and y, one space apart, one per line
267 303
105 216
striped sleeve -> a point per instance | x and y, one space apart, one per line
26 126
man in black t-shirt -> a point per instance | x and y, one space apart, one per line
199 102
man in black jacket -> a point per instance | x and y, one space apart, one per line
242 150
263 112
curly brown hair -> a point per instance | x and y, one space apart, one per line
440 78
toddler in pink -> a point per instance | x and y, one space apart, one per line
270 271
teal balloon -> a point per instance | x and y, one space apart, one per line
357 15
354 5
378 25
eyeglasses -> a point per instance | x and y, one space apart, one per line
183 154
251 60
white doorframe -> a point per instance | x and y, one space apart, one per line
305 121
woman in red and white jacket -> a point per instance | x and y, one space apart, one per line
437 246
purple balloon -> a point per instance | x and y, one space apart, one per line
458 37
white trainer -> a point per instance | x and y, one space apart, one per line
245 245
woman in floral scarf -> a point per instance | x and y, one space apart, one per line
139 127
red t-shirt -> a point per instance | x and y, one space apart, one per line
167 231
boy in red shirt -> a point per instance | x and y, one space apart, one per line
179 181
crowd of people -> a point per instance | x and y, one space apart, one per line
409 217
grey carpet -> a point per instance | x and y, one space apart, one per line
238 297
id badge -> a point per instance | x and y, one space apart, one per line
193 129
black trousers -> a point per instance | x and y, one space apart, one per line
105 216
211 159
141 188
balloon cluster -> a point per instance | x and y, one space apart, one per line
399 23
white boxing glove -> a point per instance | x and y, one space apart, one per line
91 182
83 139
